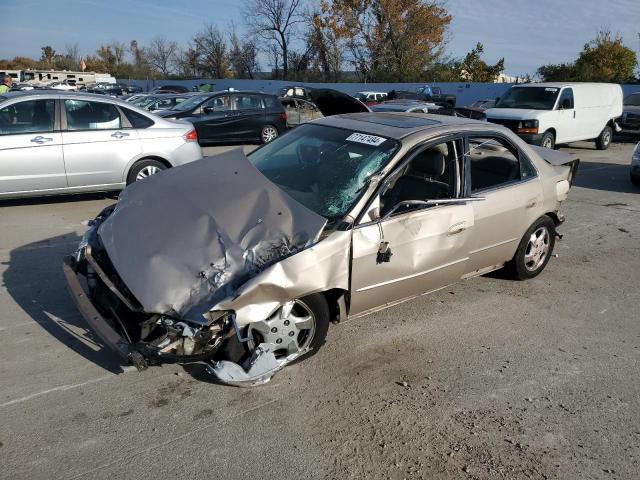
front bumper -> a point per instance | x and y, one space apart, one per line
112 339
531 139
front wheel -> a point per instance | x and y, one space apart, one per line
604 139
534 250
269 133
297 330
548 140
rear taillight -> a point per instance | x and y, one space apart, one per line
191 136
283 116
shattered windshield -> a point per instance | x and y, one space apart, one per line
536 98
324 168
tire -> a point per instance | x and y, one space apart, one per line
604 139
268 133
523 266
316 306
548 140
635 180
143 169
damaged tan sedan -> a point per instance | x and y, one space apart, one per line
243 262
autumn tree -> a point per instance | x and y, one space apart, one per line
275 21
389 40
243 56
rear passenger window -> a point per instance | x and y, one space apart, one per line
83 115
137 120
32 116
247 102
492 162
270 102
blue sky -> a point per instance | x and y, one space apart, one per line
527 33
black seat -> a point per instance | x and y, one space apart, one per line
423 181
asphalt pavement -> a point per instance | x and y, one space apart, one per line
489 378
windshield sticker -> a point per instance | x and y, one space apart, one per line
366 139
550 89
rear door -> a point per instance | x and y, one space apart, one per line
249 116
498 171
98 143
31 156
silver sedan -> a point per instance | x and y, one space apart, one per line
57 143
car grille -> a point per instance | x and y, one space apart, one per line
510 124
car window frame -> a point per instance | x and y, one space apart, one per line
466 187
559 101
123 113
56 114
124 121
401 164
238 94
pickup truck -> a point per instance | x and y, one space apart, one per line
435 95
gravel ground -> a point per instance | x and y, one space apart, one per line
489 378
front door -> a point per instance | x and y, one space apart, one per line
30 148
566 120
217 119
250 116
98 143
427 244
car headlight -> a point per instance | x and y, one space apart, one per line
528 126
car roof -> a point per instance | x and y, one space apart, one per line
396 125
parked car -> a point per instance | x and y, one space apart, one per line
371 98
244 261
232 116
163 101
65 85
299 111
316 103
630 120
476 109
410 106
634 174
550 113
435 95
170 89
58 142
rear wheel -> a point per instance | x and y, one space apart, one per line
548 140
269 132
144 169
534 250
604 139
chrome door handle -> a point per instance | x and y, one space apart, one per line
119 135
531 203
457 228
40 139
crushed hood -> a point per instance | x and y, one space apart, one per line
332 102
184 239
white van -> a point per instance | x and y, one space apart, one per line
549 113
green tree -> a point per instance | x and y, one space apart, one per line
47 57
562 72
606 59
474 69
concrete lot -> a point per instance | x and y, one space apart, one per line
504 379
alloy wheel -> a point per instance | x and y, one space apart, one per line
537 249
147 172
268 134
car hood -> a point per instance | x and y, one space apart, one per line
512 113
332 102
186 238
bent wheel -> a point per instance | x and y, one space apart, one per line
298 328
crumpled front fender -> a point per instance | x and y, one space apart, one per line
320 268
